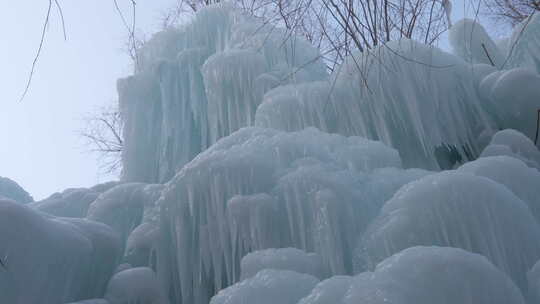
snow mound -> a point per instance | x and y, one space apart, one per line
263 188
387 98
471 42
53 260
513 97
135 285
202 82
515 144
425 275
269 286
512 173
282 259
9 189
456 210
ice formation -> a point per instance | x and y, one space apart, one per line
383 95
263 188
136 285
515 144
125 207
200 83
425 275
533 277
511 109
282 258
53 260
456 210
471 42
250 173
9 189
513 174
524 44
269 286
331 290
72 202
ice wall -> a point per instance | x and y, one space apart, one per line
263 188
201 82
417 99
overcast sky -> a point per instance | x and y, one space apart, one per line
40 147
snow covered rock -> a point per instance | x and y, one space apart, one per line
425 275
263 188
269 286
135 285
52 260
513 143
282 259
456 210
9 189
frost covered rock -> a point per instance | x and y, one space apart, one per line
72 202
135 285
425 275
456 210
9 189
202 82
125 207
512 173
52 260
471 42
513 95
282 259
268 287
515 144
390 103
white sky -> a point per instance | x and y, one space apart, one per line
40 147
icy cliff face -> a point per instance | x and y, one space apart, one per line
203 82
263 188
